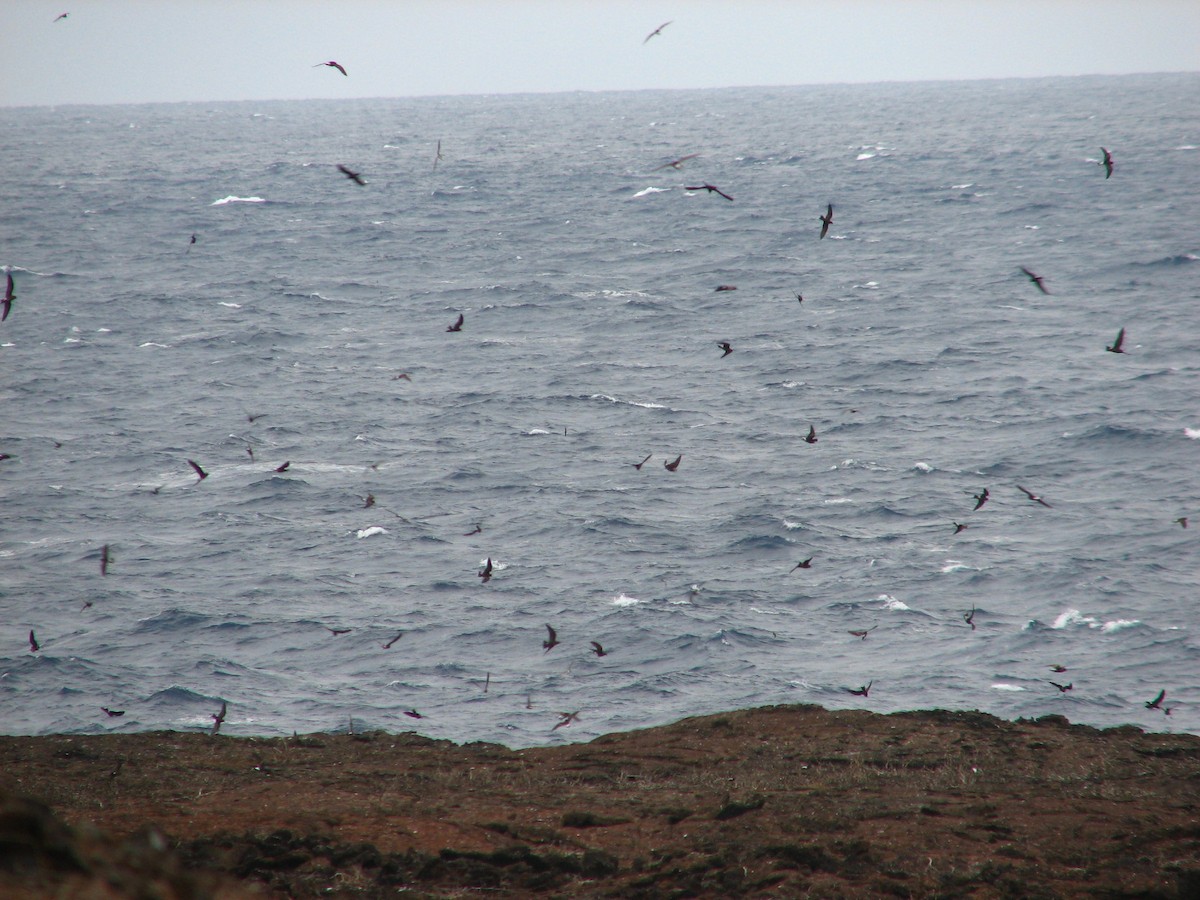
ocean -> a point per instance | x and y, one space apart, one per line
308 324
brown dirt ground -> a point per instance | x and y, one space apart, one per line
787 801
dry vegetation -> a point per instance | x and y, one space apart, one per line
784 801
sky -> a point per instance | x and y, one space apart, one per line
136 51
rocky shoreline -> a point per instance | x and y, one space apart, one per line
785 801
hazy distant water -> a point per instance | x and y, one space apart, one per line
930 367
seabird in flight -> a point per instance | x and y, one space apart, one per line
672 466
458 324
552 641
638 466
112 713
1182 521
1156 703
675 163
105 559
1036 279
34 646
388 645
658 31
981 498
284 467
803 564
200 473
333 64
437 156
477 529
1117 346
864 691
1034 497
218 718
862 635
60 16
811 437
353 176
711 188
958 526
724 345
485 574
566 718
1107 163
1063 688
9 297
597 649
969 618
826 220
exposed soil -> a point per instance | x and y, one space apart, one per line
788 801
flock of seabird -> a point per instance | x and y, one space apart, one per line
485 574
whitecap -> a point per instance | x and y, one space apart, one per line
792 526
370 532
1193 433
862 156
953 566
1118 625
1001 686
923 467
837 501
233 199
651 190
231 305
625 600
1073 617
153 344
537 431
103 330
890 602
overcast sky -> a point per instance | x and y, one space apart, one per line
131 51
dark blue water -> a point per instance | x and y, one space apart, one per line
928 364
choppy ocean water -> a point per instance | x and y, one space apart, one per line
929 366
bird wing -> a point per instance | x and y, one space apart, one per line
1159 699
1120 339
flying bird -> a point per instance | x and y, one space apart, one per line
1107 163
1156 703
477 530
34 646
458 324
672 466
969 618
1034 497
284 467
566 718
959 527
1036 279
356 177
675 163
658 31
597 649
981 498
252 417
368 501
862 635
1063 688
333 64
9 297
711 188
113 713
200 473
485 574
413 714
250 451
1182 521
218 718
1117 345
552 641
799 298
803 564
192 241
724 287
811 437
336 631
638 466
105 559
724 345
388 645
826 220
60 16
437 156
864 691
